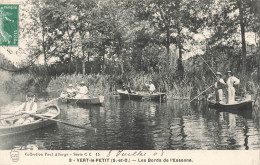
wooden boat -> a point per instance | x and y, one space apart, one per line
10 129
124 94
83 100
91 101
241 103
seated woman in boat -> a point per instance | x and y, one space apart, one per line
64 94
71 91
219 86
231 81
151 87
29 107
82 90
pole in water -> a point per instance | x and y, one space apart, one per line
201 93
213 71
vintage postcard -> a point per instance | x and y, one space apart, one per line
129 82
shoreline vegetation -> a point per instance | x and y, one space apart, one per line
107 84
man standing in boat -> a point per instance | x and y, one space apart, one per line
219 85
29 107
231 81
82 90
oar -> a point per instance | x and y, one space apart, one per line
6 114
201 93
211 85
12 115
59 121
7 117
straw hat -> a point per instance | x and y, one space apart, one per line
82 83
218 73
229 72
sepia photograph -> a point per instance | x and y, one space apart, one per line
129 77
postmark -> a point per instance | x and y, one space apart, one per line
9 24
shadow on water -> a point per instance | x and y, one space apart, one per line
124 124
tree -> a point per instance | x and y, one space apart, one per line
174 23
232 18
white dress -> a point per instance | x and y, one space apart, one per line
82 91
151 88
231 81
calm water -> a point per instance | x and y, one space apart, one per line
123 124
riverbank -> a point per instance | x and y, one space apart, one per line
107 84
187 88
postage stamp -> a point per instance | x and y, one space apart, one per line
9 24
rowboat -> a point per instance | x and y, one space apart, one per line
91 101
124 94
51 112
83 100
241 103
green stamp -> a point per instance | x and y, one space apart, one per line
9 24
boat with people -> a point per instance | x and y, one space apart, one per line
142 95
240 103
86 100
80 95
99 100
44 117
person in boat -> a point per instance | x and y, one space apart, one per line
151 87
71 91
64 94
29 107
126 87
82 90
219 86
231 81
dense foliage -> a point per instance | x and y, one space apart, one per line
146 38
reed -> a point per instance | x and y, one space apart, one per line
107 84
97 84
103 84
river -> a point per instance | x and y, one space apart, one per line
133 125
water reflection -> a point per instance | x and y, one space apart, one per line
124 124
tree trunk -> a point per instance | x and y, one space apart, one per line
76 62
168 44
242 26
180 52
44 50
83 67
122 67
70 59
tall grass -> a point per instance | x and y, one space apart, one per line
101 84
96 83
107 84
